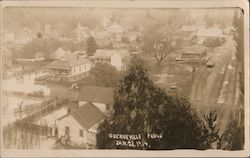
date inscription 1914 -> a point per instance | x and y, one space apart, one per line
134 140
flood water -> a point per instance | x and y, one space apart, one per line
21 84
25 83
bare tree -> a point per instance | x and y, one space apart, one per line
162 49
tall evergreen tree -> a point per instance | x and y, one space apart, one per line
142 108
91 46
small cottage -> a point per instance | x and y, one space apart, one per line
79 125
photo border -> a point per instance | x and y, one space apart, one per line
142 4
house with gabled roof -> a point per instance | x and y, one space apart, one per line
196 53
119 58
70 68
59 53
80 125
101 97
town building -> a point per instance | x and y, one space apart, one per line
50 119
187 33
196 53
202 34
117 58
59 53
191 28
102 38
70 68
101 97
80 125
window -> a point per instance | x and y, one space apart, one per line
81 133
66 130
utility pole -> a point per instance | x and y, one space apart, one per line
193 73
20 109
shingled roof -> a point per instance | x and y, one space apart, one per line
96 94
212 32
198 49
69 61
87 115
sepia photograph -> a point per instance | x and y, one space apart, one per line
133 78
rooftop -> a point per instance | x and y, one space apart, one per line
198 49
87 115
96 94
68 61
211 32
110 52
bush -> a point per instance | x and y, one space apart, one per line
213 42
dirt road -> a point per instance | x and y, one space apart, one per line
214 88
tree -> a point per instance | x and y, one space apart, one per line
234 135
46 46
157 41
39 35
142 108
162 49
125 40
104 75
213 42
91 46
213 139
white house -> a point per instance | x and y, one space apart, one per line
101 97
72 67
59 53
80 125
50 120
117 58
